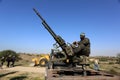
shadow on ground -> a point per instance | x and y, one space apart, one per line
2 75
18 78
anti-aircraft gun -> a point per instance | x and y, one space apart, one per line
66 57
66 62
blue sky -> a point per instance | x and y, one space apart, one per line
21 29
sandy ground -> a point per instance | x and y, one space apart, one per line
22 73
23 70
26 69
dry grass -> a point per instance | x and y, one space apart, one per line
111 68
26 59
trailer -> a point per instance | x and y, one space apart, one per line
78 74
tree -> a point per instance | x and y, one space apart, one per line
6 53
118 58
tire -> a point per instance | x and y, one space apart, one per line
43 62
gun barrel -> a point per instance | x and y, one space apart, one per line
38 14
45 24
67 49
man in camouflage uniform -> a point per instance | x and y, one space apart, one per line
82 51
2 61
83 46
13 59
8 60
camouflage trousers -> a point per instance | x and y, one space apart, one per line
84 61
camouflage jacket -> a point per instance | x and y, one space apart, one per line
86 46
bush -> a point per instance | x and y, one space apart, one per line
6 53
118 58
111 62
103 59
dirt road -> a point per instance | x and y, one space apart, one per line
26 69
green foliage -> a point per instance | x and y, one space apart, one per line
113 71
29 54
103 59
19 78
111 62
118 58
6 53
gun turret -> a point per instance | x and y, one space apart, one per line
66 48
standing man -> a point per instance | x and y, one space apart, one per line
96 65
8 60
2 61
13 61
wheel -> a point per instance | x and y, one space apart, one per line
43 62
